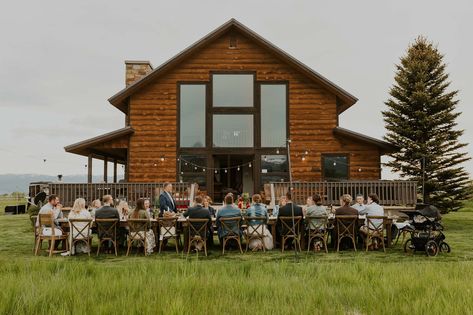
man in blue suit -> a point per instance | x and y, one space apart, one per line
166 201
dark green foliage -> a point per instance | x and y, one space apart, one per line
421 122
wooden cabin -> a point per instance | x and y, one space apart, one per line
220 114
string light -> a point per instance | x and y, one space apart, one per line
277 151
249 165
238 168
226 171
162 158
303 158
216 171
155 164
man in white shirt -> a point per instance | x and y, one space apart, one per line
360 203
53 206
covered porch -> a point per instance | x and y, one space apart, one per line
109 147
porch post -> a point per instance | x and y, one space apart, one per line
89 169
105 169
114 170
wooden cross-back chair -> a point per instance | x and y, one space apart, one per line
34 220
137 233
47 221
254 230
81 232
291 228
197 232
375 225
346 228
107 232
229 225
168 230
317 230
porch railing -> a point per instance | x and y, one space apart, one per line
130 192
390 193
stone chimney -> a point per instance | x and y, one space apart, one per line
135 70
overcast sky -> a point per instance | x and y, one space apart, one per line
61 60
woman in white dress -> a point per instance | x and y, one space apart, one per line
258 209
79 212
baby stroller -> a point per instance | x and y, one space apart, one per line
426 231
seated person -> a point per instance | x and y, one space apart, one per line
199 212
227 211
96 204
79 212
287 211
52 207
107 211
372 209
148 208
360 203
345 208
281 203
258 209
315 208
123 209
207 204
140 212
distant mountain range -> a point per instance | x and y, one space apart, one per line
19 182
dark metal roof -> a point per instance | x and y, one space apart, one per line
384 146
346 99
83 147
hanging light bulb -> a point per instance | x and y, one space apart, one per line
195 167
277 151
359 170
238 168
178 159
185 164
182 173
249 165
203 170
306 152
226 171
155 164
303 158
216 171
334 163
162 158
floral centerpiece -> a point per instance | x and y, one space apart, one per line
244 201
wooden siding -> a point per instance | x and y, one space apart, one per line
312 114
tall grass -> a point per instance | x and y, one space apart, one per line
260 283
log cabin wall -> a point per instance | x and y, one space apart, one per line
312 114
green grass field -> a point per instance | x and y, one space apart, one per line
253 283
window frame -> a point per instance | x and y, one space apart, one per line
335 154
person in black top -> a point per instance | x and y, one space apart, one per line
287 211
199 212
107 211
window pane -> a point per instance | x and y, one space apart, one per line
192 116
232 90
233 131
273 115
274 163
335 167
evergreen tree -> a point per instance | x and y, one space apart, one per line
421 122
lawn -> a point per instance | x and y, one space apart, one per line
256 283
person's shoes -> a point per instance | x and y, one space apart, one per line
68 253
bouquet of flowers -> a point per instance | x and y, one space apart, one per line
244 201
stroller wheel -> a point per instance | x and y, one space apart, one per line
431 248
444 247
409 248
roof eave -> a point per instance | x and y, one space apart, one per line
99 139
385 147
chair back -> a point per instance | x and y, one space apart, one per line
290 226
346 225
46 221
137 229
376 223
80 228
255 227
107 228
230 226
197 227
167 226
317 222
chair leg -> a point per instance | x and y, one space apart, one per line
223 245
177 244
247 241
239 244
160 246
367 242
128 247
38 244
98 247
205 247
354 243
325 244
51 247
283 242
338 244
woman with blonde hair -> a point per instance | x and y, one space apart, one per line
123 210
79 212
96 204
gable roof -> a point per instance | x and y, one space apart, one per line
344 99
385 147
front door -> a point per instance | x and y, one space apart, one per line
232 173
